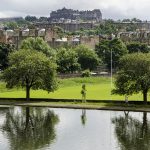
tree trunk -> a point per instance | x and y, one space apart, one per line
27 117
145 96
27 93
144 125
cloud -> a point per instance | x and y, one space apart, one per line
116 9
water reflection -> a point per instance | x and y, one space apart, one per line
83 117
132 134
30 128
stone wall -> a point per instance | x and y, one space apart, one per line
71 27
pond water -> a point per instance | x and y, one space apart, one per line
24 128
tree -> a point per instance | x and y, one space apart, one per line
67 61
138 47
132 133
134 75
30 128
59 31
5 49
38 44
87 58
11 25
104 49
43 19
31 18
30 69
108 27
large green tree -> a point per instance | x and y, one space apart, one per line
134 75
87 58
37 44
67 61
5 49
106 47
30 69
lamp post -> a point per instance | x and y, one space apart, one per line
111 63
111 68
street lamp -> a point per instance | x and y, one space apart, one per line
111 63
111 68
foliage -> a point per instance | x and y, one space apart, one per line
31 18
86 73
132 133
131 27
88 59
138 47
38 44
108 27
132 20
134 75
43 19
30 69
11 25
31 128
59 31
5 49
104 49
67 61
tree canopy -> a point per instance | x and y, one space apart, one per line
87 58
37 44
138 47
31 18
104 48
67 60
134 75
5 49
30 69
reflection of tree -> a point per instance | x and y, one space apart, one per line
132 134
3 110
83 117
30 129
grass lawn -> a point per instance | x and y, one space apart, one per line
97 88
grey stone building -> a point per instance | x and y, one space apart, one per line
66 15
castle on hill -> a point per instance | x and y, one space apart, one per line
70 15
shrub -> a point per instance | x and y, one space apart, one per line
86 73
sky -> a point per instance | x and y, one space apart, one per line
113 9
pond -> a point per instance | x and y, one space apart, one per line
38 128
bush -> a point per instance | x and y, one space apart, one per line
86 73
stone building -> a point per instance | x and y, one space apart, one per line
65 15
16 36
52 38
141 35
71 27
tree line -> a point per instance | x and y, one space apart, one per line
35 64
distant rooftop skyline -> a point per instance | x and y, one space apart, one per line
114 9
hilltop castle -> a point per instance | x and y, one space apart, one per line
70 15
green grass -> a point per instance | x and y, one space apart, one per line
97 88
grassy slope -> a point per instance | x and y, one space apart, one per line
97 88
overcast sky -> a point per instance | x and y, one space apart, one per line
115 9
